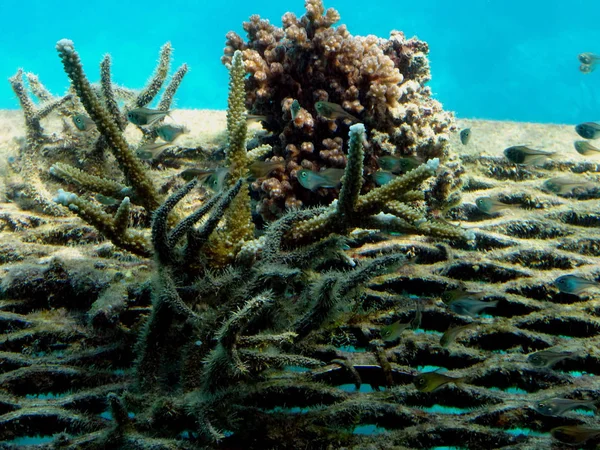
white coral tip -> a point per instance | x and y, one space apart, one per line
433 164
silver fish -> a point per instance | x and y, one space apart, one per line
334 111
108 201
470 306
574 434
152 151
83 122
452 333
588 130
559 406
489 205
328 178
145 116
431 381
398 164
587 68
585 148
169 132
521 154
382 177
260 169
255 118
572 284
393 331
465 136
566 185
588 58
547 358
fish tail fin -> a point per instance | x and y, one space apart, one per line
460 382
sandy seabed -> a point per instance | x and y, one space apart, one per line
207 128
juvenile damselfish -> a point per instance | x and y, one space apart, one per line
145 116
398 164
547 358
334 111
572 284
452 333
574 434
83 122
521 154
586 149
465 136
588 130
559 406
431 381
328 178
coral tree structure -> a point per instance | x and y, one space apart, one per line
380 81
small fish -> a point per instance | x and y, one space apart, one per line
566 185
470 306
216 181
430 381
260 169
416 321
547 358
585 148
213 179
572 284
459 294
328 178
152 151
465 136
83 122
588 58
587 68
334 111
393 331
255 118
452 333
169 132
382 177
201 174
145 116
489 205
295 109
398 164
588 130
108 201
521 154
574 434
559 406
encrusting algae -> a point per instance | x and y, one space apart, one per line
209 298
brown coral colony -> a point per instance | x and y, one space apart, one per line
379 81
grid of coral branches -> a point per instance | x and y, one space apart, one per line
59 360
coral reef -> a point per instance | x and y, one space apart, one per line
280 350
380 81
195 328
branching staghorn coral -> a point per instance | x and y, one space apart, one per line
34 189
80 155
380 81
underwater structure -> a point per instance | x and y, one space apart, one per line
144 304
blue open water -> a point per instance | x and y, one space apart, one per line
495 59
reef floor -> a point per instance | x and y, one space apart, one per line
517 254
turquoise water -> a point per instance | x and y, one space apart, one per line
508 60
